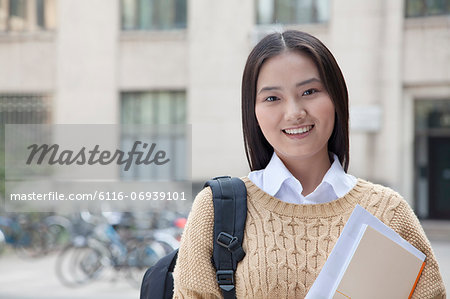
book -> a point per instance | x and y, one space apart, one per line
364 240
379 268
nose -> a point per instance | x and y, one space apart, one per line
295 110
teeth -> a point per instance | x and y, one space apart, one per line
299 130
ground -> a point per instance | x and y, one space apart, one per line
36 279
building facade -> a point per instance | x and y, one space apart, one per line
181 61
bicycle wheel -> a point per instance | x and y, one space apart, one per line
57 232
76 266
2 242
140 257
30 243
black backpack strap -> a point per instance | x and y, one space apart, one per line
230 213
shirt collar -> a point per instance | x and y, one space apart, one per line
276 174
337 178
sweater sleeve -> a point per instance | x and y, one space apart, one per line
405 223
194 274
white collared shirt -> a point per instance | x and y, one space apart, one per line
278 181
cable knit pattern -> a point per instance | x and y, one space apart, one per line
288 244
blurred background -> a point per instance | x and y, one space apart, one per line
181 61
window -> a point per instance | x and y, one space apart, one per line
20 109
152 108
156 108
153 14
292 11
27 15
24 109
423 8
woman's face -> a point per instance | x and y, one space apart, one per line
293 109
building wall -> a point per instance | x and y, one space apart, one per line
367 46
426 76
27 63
387 61
86 55
219 33
152 60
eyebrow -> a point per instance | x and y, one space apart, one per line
269 88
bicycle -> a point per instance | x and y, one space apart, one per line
32 238
84 260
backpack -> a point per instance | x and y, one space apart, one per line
230 213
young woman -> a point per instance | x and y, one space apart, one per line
295 122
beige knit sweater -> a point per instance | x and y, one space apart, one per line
286 244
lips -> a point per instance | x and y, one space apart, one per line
300 130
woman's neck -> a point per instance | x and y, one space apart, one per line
310 171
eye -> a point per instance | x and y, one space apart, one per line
272 99
310 92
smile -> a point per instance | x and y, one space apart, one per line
298 130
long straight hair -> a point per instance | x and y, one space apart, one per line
257 148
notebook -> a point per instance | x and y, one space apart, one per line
378 243
379 268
